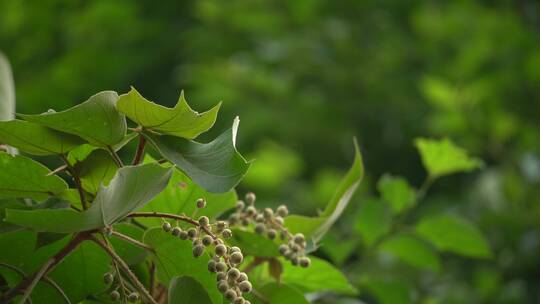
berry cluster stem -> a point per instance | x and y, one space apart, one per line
183 218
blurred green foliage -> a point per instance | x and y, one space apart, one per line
307 75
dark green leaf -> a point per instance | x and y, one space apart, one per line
174 258
254 244
187 290
373 220
443 157
36 139
23 177
216 166
388 291
129 190
179 121
95 120
96 170
276 293
412 251
454 234
130 253
397 192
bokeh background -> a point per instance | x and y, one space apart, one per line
305 76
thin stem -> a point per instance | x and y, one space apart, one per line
36 279
125 268
424 187
259 296
115 157
152 273
132 241
140 150
183 218
76 179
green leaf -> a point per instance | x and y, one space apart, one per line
412 251
35 139
23 177
179 121
180 196
129 252
318 277
96 170
254 244
80 153
454 234
316 227
388 291
7 90
95 120
397 192
373 221
187 290
280 294
443 157
216 166
130 189
174 258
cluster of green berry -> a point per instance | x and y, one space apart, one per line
270 223
225 259
129 295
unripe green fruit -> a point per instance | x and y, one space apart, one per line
227 233
183 235
220 266
207 240
242 277
282 211
198 250
271 234
259 218
245 221
239 301
304 262
133 297
212 266
299 238
295 248
294 261
221 225
245 286
250 198
240 205
268 213
108 278
234 249
220 250
176 231
223 286
283 235
166 227
221 276
233 273
230 294
115 295
236 258
251 211
192 233
247 302
233 218
204 221
260 228
283 249
278 220
201 203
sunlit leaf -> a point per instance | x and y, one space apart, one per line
216 166
23 177
187 290
319 276
316 227
254 244
397 192
373 220
179 121
443 157
174 258
130 189
412 251
95 120
455 234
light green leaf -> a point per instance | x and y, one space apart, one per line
216 166
23 177
7 90
373 221
318 277
397 192
388 291
95 120
36 139
316 227
174 258
129 252
80 153
454 234
412 251
280 294
96 170
180 196
187 290
130 189
179 121
443 157
254 244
